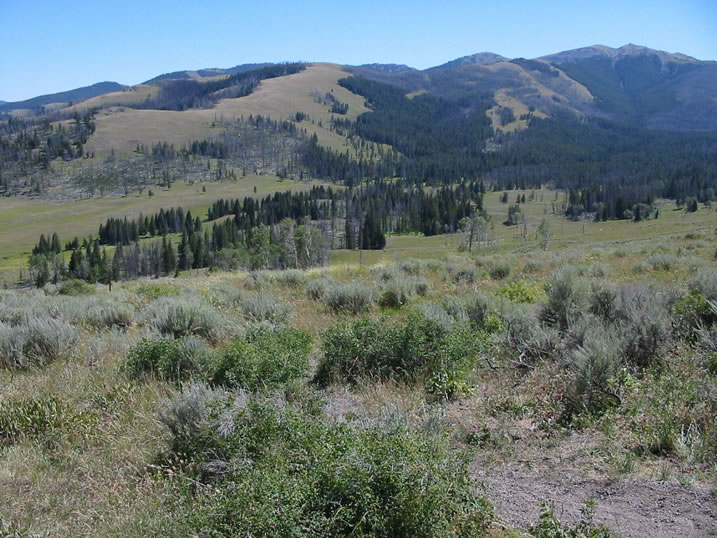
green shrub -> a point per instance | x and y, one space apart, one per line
413 266
263 358
498 270
108 311
155 291
520 291
75 287
604 301
287 472
167 358
350 298
416 350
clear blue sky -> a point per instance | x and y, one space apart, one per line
50 46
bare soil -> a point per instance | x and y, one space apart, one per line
628 506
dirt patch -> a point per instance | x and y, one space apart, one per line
629 507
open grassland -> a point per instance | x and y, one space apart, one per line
280 98
129 96
22 220
504 378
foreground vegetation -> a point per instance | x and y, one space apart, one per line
358 399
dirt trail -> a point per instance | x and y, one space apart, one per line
629 507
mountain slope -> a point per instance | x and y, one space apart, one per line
70 96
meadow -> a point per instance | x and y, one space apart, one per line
417 391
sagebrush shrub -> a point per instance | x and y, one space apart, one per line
645 325
594 369
35 342
185 316
317 289
350 298
498 270
567 297
662 262
265 308
290 277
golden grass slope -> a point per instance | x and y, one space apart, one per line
280 98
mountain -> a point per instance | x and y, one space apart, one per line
388 68
646 87
71 96
207 72
481 58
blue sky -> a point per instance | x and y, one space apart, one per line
50 46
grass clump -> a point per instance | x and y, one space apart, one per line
263 358
350 298
255 454
30 418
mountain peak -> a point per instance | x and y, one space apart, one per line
480 58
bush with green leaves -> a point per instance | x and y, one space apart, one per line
185 316
167 358
520 291
415 350
263 358
350 298
152 291
75 287
273 468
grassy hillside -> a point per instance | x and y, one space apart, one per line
448 395
280 98
23 220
